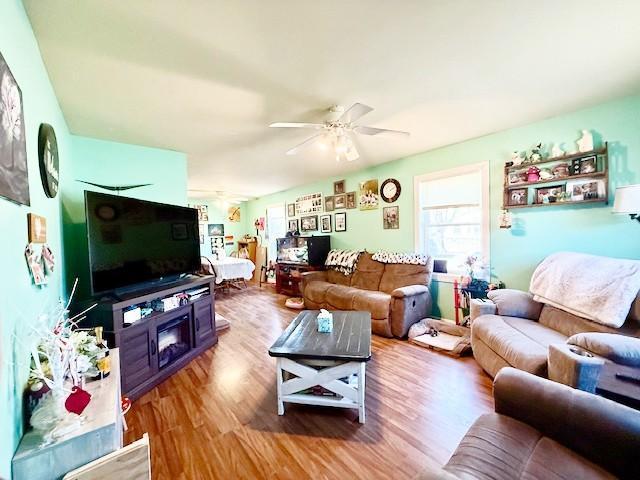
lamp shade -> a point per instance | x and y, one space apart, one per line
627 200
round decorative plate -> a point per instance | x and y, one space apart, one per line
48 159
390 190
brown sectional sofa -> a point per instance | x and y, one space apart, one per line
520 331
396 295
545 430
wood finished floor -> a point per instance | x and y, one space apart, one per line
217 419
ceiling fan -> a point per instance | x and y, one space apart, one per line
338 133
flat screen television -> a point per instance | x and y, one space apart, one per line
134 242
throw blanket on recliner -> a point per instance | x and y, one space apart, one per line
344 261
601 289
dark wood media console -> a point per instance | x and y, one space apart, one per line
158 345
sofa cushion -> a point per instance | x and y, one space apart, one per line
377 303
341 297
495 447
500 447
520 342
401 275
570 324
333 276
317 291
551 459
368 273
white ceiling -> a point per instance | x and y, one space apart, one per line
207 77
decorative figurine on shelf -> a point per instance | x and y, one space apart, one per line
533 174
585 143
504 219
545 174
556 151
536 154
561 170
516 158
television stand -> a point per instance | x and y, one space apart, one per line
162 342
289 276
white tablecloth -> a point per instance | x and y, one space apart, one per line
230 268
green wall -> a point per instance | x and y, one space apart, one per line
536 232
20 301
111 163
218 213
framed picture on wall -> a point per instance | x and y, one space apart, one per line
351 200
340 201
325 224
390 218
329 205
369 197
14 175
293 225
309 224
216 229
341 222
517 196
338 187
291 210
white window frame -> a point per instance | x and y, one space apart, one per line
483 168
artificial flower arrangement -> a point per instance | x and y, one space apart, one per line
60 353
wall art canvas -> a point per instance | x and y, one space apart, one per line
14 176
233 214
369 198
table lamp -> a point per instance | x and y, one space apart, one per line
628 201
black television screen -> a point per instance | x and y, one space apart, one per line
133 242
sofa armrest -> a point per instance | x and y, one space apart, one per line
315 276
600 430
409 291
515 303
619 349
409 305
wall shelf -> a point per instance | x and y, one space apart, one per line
559 204
601 176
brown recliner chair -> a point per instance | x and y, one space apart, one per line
396 295
545 430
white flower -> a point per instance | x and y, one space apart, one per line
10 107
82 363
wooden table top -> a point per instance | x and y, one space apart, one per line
350 340
623 391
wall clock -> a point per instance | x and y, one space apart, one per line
390 190
48 159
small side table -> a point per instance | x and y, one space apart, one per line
614 388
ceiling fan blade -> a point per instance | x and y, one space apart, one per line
296 125
379 131
356 111
304 144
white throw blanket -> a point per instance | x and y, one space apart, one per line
601 289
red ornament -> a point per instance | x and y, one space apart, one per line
533 174
77 400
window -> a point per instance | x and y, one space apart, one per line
276 228
452 217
